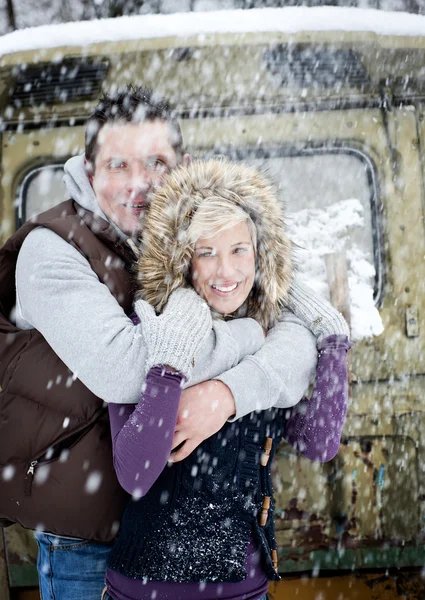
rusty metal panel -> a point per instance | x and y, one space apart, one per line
359 511
21 556
370 586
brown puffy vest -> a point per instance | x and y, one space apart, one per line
56 470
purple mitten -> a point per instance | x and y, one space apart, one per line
314 425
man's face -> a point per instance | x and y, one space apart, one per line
131 159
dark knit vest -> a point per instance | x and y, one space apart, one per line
194 524
55 445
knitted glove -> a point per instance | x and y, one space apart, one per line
173 337
318 315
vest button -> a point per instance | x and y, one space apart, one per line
274 559
266 454
264 511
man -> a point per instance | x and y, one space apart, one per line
73 286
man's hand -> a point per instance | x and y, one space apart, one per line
203 410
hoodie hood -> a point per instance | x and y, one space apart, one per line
166 254
80 189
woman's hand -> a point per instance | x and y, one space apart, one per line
174 337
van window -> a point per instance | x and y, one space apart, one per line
331 197
41 189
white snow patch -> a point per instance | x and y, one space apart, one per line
137 494
8 472
41 474
64 455
115 528
323 231
93 482
287 20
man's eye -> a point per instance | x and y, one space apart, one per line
117 164
156 164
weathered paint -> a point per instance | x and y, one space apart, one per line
361 586
21 554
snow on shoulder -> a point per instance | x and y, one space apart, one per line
288 20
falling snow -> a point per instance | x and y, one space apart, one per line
317 232
93 483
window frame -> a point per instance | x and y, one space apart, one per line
23 185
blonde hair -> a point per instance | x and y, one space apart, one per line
214 217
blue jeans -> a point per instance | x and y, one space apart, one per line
70 569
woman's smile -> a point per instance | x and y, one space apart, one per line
226 288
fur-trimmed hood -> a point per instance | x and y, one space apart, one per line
164 262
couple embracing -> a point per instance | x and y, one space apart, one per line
202 381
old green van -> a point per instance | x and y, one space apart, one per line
331 101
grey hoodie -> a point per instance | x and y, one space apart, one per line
59 295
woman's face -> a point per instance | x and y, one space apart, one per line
223 268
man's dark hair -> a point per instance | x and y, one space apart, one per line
133 104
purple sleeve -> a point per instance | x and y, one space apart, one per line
142 435
314 426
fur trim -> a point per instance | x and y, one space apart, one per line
165 257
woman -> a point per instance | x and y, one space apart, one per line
203 527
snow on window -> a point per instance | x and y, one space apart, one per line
330 206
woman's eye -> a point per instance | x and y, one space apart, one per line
240 250
205 254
